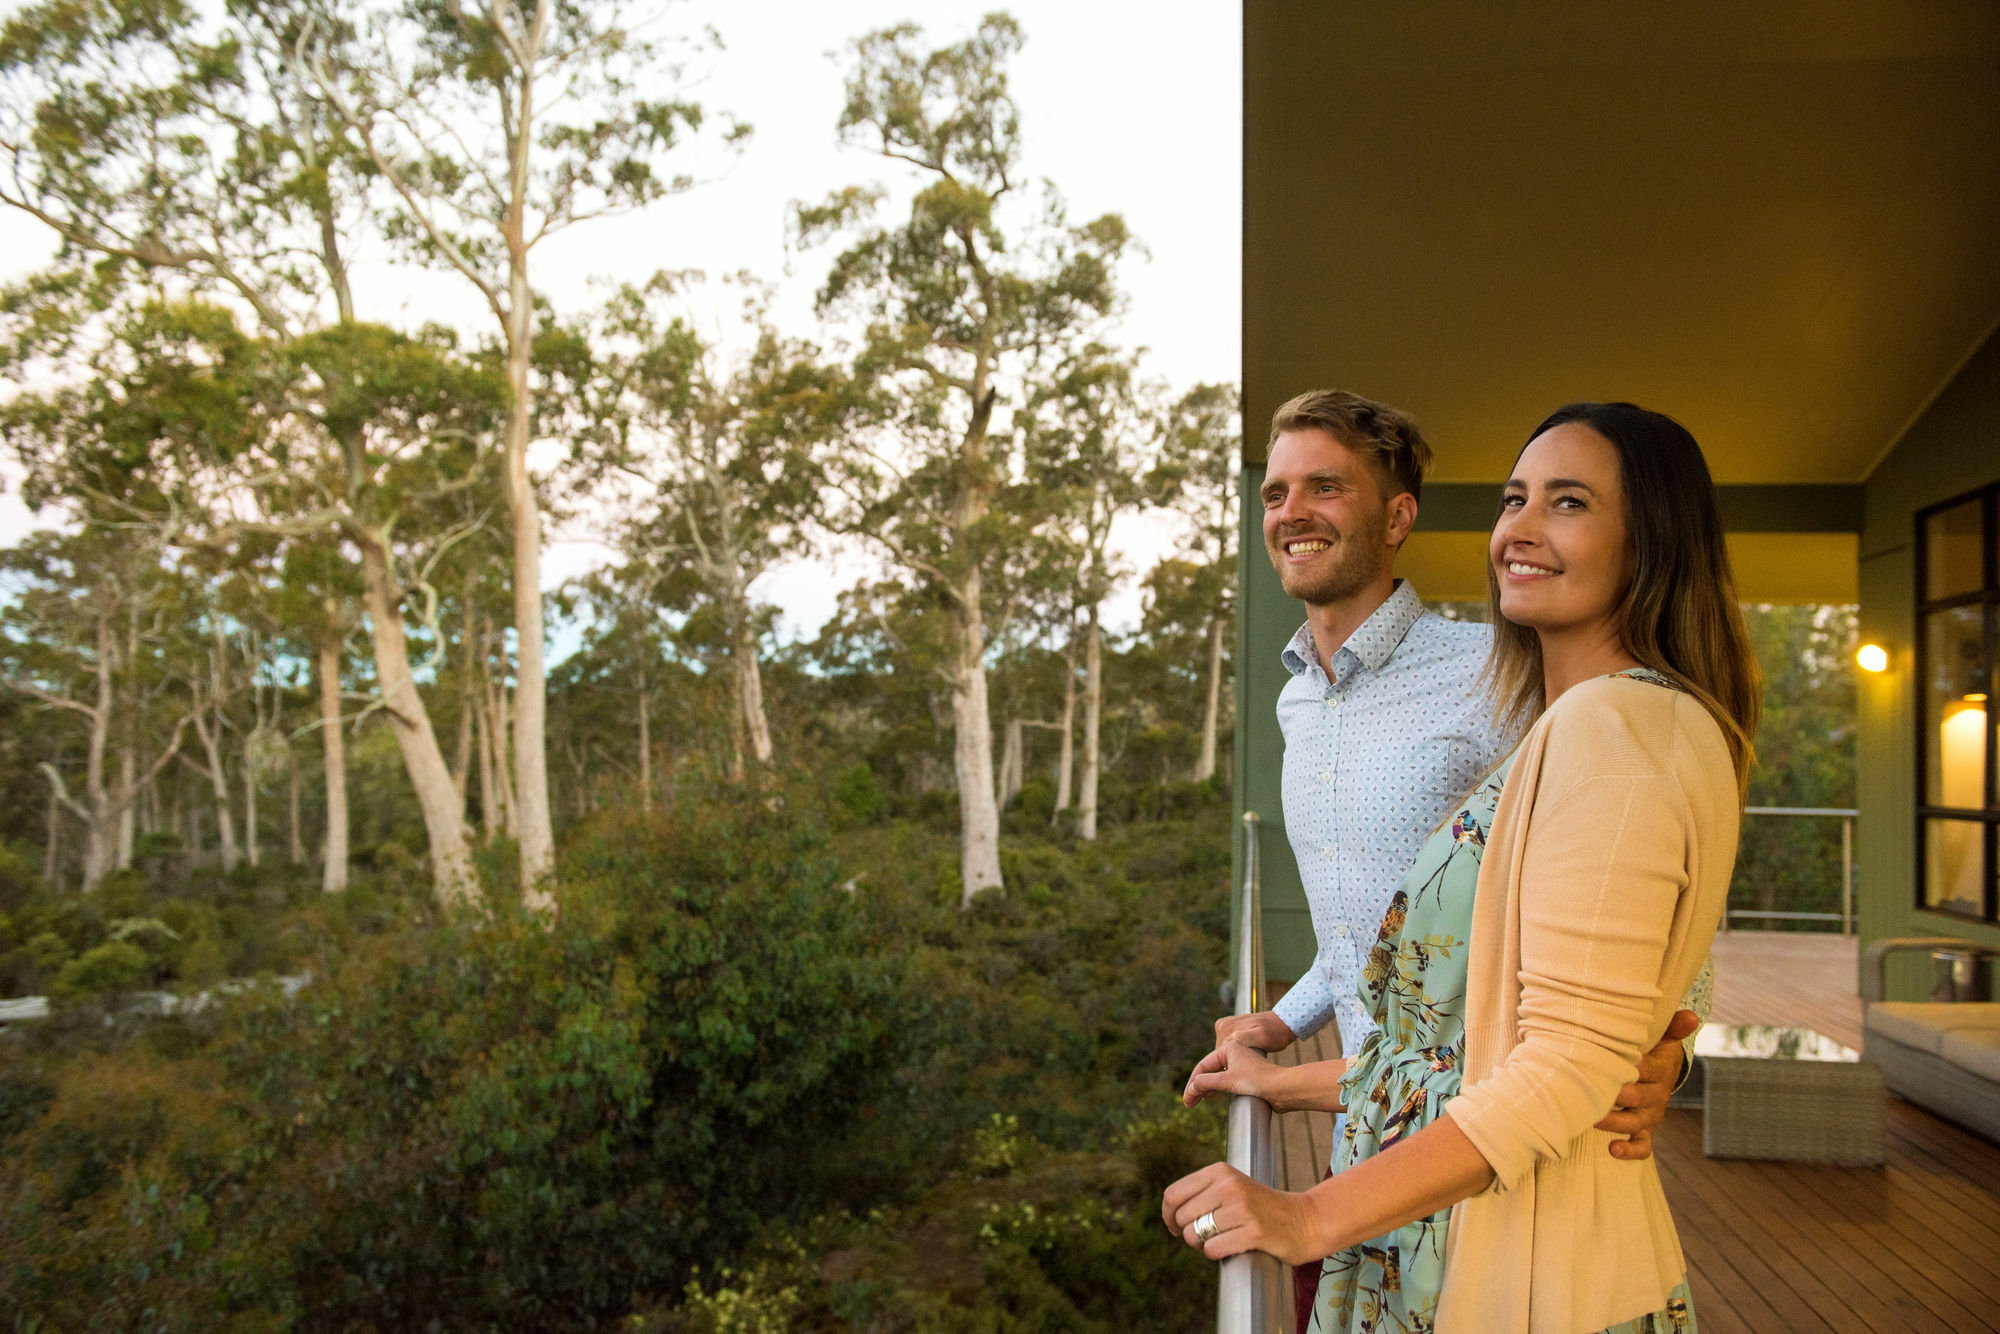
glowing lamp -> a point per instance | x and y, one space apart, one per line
1873 658
1962 751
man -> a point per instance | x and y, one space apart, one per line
1384 721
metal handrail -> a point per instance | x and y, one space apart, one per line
1846 815
1248 1300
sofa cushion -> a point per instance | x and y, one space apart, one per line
1974 1050
1923 1024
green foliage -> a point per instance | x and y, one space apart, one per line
100 974
997 1147
1805 757
720 1074
857 795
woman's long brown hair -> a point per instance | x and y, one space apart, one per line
1680 615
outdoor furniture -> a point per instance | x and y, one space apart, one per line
1943 1055
1789 1094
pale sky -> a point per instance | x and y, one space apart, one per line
1126 107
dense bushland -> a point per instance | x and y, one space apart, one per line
762 1073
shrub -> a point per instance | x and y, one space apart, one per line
100 974
521 1125
779 1066
856 795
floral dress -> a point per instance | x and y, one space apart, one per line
1413 984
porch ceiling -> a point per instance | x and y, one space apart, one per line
1781 223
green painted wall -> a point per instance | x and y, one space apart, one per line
1265 622
1953 447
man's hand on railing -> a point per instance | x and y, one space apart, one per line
1246 1216
1237 1067
1262 1030
1642 1105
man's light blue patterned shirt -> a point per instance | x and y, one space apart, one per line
1374 758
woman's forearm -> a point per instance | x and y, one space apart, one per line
1310 1086
1412 1179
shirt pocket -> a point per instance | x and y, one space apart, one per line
1450 768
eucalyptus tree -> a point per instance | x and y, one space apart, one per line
1198 475
162 142
71 639
1088 430
98 442
497 126
317 592
722 454
378 441
625 651
954 303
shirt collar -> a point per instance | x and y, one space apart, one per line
1373 642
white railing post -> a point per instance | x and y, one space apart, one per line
1846 875
1247 1302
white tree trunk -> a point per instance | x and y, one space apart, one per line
249 807
100 849
333 748
461 756
1204 768
461 760
1087 817
645 749
51 851
530 799
1011 754
1066 754
750 691
451 860
128 792
1093 716
972 751
489 791
218 783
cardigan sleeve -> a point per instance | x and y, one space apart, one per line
1601 875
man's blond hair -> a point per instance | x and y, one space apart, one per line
1388 438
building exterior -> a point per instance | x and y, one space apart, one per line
1779 223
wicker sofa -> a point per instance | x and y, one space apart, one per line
1939 1055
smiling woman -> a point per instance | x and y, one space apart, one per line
1591 475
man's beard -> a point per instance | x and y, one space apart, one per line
1358 563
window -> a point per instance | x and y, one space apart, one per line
1958 674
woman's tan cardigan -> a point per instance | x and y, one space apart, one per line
1604 876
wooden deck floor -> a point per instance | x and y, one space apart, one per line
1913 1246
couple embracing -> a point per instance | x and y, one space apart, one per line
1517 846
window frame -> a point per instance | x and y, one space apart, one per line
1987 596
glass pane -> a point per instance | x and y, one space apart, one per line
1953 865
1953 546
1955 707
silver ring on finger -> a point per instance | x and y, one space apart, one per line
1205 1228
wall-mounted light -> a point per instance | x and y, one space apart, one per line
1873 658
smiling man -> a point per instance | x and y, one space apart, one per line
1383 719
1386 725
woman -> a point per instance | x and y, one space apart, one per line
1545 934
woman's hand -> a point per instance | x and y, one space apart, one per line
1248 1217
1235 1067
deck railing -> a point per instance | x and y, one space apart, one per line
1248 1300
1846 815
